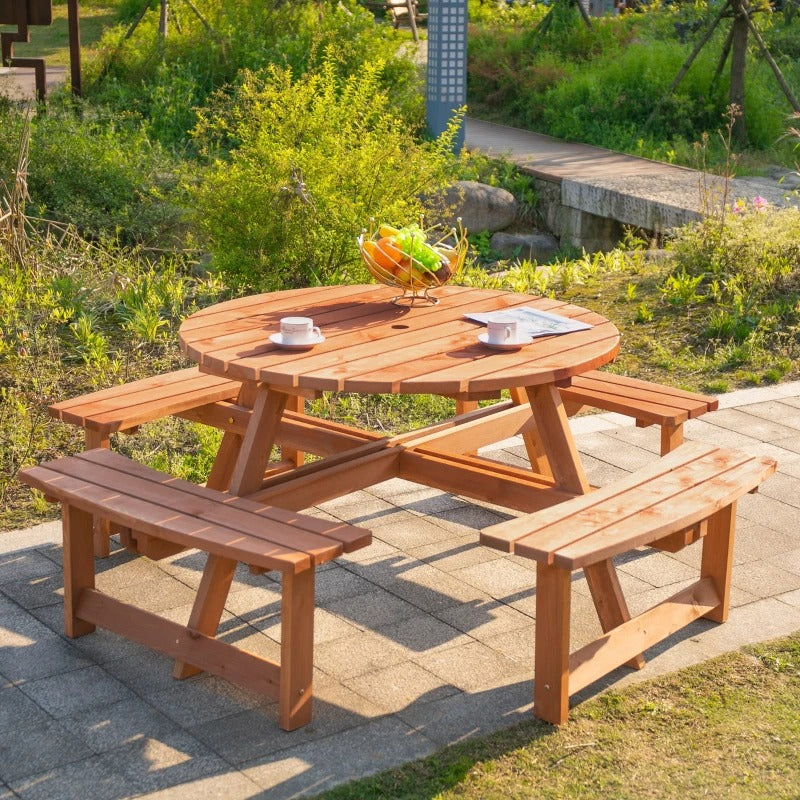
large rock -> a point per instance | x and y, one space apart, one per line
538 247
480 206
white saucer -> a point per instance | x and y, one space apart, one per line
484 338
277 338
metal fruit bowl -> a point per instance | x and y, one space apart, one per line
390 263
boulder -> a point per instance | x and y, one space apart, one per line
480 206
538 247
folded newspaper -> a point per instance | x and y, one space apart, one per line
533 322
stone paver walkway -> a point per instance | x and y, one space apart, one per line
422 639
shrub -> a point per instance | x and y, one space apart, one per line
101 174
165 81
315 157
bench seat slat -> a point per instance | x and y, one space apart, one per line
637 389
645 523
591 516
162 523
643 408
504 535
167 493
350 537
141 402
163 381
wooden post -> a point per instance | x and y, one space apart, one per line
551 668
717 558
297 648
74 47
78 566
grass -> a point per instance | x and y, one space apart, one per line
51 42
729 727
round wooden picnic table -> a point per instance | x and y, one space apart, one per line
376 347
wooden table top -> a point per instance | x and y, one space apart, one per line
376 347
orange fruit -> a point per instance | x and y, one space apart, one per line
387 254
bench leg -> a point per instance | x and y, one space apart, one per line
612 610
208 605
102 528
78 566
551 668
297 649
717 559
671 437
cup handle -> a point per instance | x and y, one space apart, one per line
508 333
316 332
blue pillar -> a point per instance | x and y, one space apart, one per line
447 64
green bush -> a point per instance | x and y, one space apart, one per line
165 81
101 174
315 157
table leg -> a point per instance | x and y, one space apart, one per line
231 444
533 444
558 446
248 473
298 405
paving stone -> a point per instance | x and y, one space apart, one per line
612 450
422 634
377 551
517 644
327 627
740 419
72 692
118 724
657 569
255 734
400 686
790 598
29 650
497 578
160 593
25 565
753 542
789 560
484 620
201 699
27 749
765 579
373 609
469 517
412 531
152 763
327 762
355 655
771 410
18 710
471 667
467 715
455 553
46 590
781 487
229 785
143 670
79 780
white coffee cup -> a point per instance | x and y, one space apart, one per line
299 330
502 330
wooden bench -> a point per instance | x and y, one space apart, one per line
186 393
691 492
649 403
123 408
161 508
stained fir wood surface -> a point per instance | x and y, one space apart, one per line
109 484
374 346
